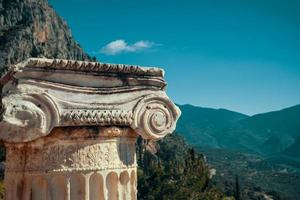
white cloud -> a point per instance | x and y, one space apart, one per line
120 46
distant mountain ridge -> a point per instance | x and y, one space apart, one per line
267 134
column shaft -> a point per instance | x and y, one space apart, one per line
88 163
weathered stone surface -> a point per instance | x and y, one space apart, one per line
70 127
74 149
31 28
40 94
73 163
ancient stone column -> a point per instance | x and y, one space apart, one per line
70 127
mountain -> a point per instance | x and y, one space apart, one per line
203 126
294 149
31 28
261 150
267 134
279 129
276 122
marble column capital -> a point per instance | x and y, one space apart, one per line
41 94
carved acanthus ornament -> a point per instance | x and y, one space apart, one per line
78 150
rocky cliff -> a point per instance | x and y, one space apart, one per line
31 28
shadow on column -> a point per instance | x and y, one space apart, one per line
124 180
11 190
39 189
58 189
96 187
77 187
126 152
112 186
133 185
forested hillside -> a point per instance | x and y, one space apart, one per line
268 134
262 150
171 169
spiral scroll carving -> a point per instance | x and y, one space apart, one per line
27 117
155 117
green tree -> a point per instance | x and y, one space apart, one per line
175 172
237 192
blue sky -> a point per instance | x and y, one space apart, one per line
240 55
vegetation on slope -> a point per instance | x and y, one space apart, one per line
257 176
176 171
263 150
